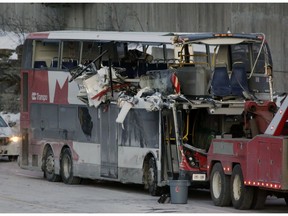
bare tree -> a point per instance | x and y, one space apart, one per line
120 14
50 19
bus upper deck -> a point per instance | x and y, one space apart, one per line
197 57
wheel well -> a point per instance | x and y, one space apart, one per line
233 164
211 167
146 160
146 166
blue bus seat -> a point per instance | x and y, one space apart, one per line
220 84
239 82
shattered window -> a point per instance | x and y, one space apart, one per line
85 120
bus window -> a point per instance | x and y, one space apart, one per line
85 121
65 120
90 51
259 68
240 53
71 54
44 54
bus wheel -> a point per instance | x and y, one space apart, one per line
12 158
259 199
67 168
220 186
49 168
151 176
242 196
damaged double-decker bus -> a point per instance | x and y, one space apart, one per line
136 107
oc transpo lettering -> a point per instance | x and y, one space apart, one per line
39 97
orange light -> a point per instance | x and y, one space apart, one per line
223 35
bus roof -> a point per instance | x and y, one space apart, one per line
219 38
148 37
106 36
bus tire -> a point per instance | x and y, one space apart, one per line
259 199
241 195
49 167
220 186
12 158
152 177
67 168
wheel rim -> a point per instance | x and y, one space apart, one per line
216 184
50 164
237 187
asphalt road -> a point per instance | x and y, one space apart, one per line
24 191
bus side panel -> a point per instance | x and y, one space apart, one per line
138 136
109 148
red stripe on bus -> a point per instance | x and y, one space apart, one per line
38 35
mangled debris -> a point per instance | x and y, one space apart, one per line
150 91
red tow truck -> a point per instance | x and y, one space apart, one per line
245 171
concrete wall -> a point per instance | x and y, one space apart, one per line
269 18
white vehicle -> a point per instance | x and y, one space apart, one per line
9 141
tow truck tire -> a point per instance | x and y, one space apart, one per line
49 167
67 168
241 195
220 186
259 199
286 199
152 177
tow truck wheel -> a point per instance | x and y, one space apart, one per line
242 196
151 178
49 167
259 199
286 199
220 186
67 168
